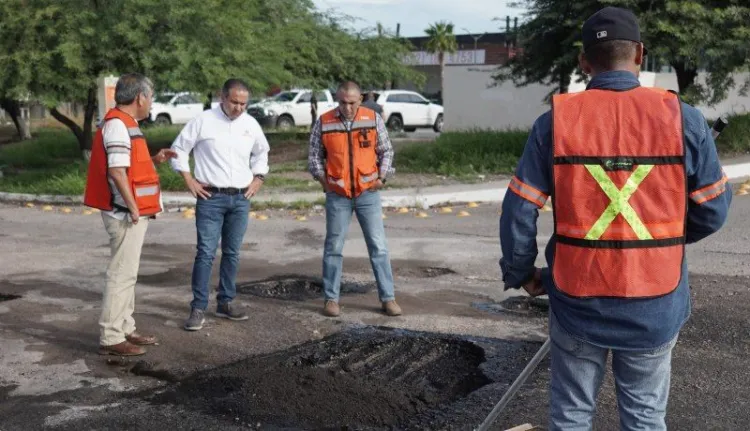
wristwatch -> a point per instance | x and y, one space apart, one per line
382 180
261 177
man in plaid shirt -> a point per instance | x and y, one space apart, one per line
352 184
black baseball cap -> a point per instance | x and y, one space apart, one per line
611 23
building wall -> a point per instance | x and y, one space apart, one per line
471 99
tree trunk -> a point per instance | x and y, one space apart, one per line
88 123
441 57
685 76
13 108
84 135
565 80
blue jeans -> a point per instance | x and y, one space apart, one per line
369 213
224 217
576 372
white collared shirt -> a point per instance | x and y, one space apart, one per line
228 153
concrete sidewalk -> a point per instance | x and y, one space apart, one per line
421 197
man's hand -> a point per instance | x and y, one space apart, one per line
253 188
134 214
535 287
378 184
324 184
163 155
197 189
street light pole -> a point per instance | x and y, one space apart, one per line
476 39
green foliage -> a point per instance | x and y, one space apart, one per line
54 50
735 139
549 44
50 163
462 153
690 35
441 38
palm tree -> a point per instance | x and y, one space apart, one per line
441 41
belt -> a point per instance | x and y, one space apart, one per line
225 190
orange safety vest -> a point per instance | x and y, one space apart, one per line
142 176
620 193
351 160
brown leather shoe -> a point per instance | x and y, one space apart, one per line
141 340
331 309
391 308
123 349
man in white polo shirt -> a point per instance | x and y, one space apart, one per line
231 161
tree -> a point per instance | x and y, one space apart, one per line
548 51
13 108
322 51
55 50
441 41
684 33
694 35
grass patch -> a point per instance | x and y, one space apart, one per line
69 179
295 166
296 205
465 153
292 184
735 138
51 162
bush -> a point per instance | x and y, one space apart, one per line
463 153
736 136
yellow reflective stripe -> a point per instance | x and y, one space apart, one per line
369 178
619 201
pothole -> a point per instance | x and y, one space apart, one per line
298 287
518 305
8 297
436 271
422 271
143 368
360 378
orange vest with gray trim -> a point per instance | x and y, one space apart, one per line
351 160
142 177
619 193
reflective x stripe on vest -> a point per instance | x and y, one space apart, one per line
619 201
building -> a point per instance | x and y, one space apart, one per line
488 49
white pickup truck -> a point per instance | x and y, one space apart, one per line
170 108
290 108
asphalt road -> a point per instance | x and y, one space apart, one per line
447 281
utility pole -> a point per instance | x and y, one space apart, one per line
393 83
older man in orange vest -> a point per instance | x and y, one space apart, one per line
122 182
351 156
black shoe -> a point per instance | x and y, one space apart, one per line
228 312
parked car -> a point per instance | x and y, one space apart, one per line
291 108
408 111
175 108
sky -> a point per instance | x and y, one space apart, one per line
467 16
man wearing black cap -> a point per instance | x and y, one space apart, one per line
634 176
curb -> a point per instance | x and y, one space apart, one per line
420 198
